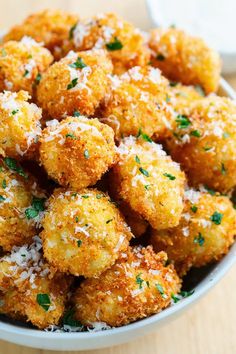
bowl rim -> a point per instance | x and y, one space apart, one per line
93 340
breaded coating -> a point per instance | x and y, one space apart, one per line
185 58
138 100
125 43
204 143
204 234
77 151
181 96
84 233
76 83
144 177
49 26
135 221
22 64
20 126
21 205
35 291
137 286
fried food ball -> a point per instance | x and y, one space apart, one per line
125 43
204 143
35 291
138 101
77 151
21 205
84 233
144 177
20 126
49 26
204 234
76 83
137 286
22 64
181 96
184 58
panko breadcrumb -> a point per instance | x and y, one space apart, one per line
204 234
84 233
204 143
125 43
75 84
185 58
144 177
36 291
138 100
77 151
137 286
22 64
20 126
21 205
49 27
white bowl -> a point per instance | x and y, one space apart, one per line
94 340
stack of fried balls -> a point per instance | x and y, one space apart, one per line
117 169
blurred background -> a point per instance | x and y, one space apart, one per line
209 327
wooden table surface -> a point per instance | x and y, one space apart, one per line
208 327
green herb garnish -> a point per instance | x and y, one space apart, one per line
115 45
144 172
223 169
79 243
4 183
86 154
144 136
137 159
78 64
13 165
44 301
71 135
161 290
76 114
72 84
2 198
199 239
168 175
38 78
183 121
69 320
139 281
194 208
216 218
38 204
195 133
71 32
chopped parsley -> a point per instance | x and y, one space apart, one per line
216 218
199 239
44 301
173 83
160 57
147 187
139 281
108 221
72 84
86 154
186 293
175 298
13 165
76 219
72 136
115 45
99 196
79 243
2 198
195 133
74 194
181 295
144 172
76 114
144 136
183 121
168 175
199 90
85 196
69 320
38 78
15 111
78 64
223 169
207 148
210 191
137 159
38 204
4 183
26 73
194 208
161 290
71 32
